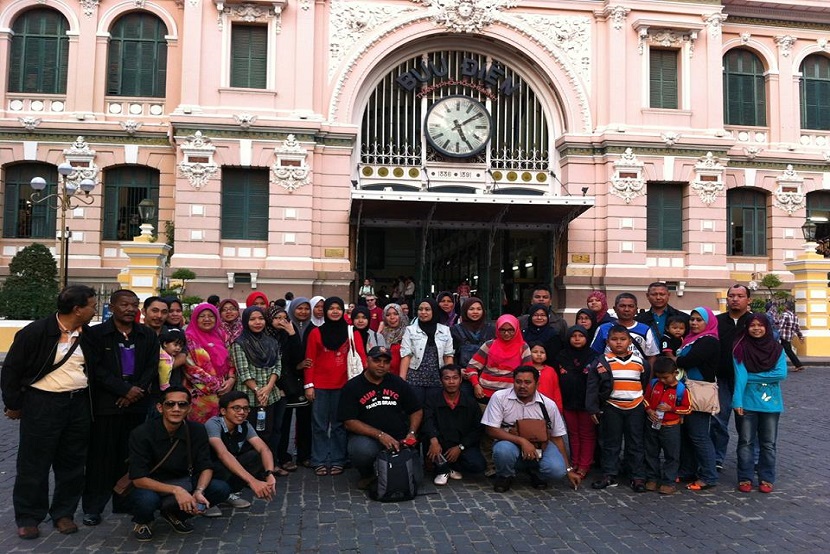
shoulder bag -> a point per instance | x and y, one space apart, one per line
353 361
124 486
703 396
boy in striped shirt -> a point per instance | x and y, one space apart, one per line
623 414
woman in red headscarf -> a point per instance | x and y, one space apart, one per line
598 303
257 298
491 368
209 371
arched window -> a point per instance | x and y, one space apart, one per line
744 91
747 216
137 59
22 218
815 93
39 52
124 188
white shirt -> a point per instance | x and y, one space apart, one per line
505 409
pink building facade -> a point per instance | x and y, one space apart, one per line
288 143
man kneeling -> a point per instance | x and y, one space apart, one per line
507 410
171 468
240 456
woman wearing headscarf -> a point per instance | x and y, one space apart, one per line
257 298
598 303
587 319
209 371
425 347
328 348
698 358
760 366
538 330
256 356
318 310
360 319
230 324
491 368
473 331
299 315
572 364
446 309
391 333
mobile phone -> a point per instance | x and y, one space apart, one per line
200 507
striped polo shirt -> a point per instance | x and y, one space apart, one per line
628 386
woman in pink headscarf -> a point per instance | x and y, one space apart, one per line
208 371
491 368
598 303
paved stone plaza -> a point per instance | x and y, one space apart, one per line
313 514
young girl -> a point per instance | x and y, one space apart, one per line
572 363
676 329
172 342
760 366
548 378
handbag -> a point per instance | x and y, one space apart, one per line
534 430
353 361
704 396
124 486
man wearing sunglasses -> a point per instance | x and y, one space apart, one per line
177 480
240 456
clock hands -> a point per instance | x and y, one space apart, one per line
457 128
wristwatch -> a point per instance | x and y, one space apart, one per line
569 469
270 472
461 447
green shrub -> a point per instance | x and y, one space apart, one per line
31 290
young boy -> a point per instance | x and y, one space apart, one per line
623 415
666 401
676 329
548 378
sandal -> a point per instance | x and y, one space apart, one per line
699 486
306 463
336 470
280 471
799 368
321 471
289 466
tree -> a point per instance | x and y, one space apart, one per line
31 289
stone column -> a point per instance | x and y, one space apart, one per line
143 275
810 291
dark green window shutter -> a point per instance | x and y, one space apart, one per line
663 79
249 56
815 93
747 222
664 208
39 52
124 188
137 56
245 204
21 218
744 89
10 211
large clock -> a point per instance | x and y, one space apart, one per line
458 126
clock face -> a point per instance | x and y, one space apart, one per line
458 126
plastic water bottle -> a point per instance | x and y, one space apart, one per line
260 419
659 423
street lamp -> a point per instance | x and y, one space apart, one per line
63 201
809 230
146 211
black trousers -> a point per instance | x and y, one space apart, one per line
106 463
250 460
302 435
54 435
788 348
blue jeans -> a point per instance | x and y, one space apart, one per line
667 439
757 428
615 425
719 429
144 502
697 455
507 459
328 437
362 453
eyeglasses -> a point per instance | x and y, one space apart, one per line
172 404
507 331
229 309
245 409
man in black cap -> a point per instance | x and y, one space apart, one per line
380 411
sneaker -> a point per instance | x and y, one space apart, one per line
605 482
502 484
490 473
667 489
91 520
213 511
765 487
455 475
745 486
236 501
651 486
142 532
638 485
178 525
719 466
441 479
537 482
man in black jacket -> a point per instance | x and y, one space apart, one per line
124 370
658 297
452 428
45 385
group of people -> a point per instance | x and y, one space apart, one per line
195 413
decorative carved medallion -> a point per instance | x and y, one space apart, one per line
708 183
670 138
617 14
789 196
785 44
715 23
666 38
628 182
244 120
466 16
82 159
745 38
29 123
571 36
89 6
197 166
130 126
290 171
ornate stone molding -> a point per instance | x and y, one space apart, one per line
305 5
708 183
745 37
197 164
244 120
785 44
667 38
138 3
628 182
822 43
130 126
670 138
290 170
89 6
250 12
617 15
466 16
82 158
715 23
752 151
570 36
789 196
29 123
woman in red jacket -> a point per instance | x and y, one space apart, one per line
328 348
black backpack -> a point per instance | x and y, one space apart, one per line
399 474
